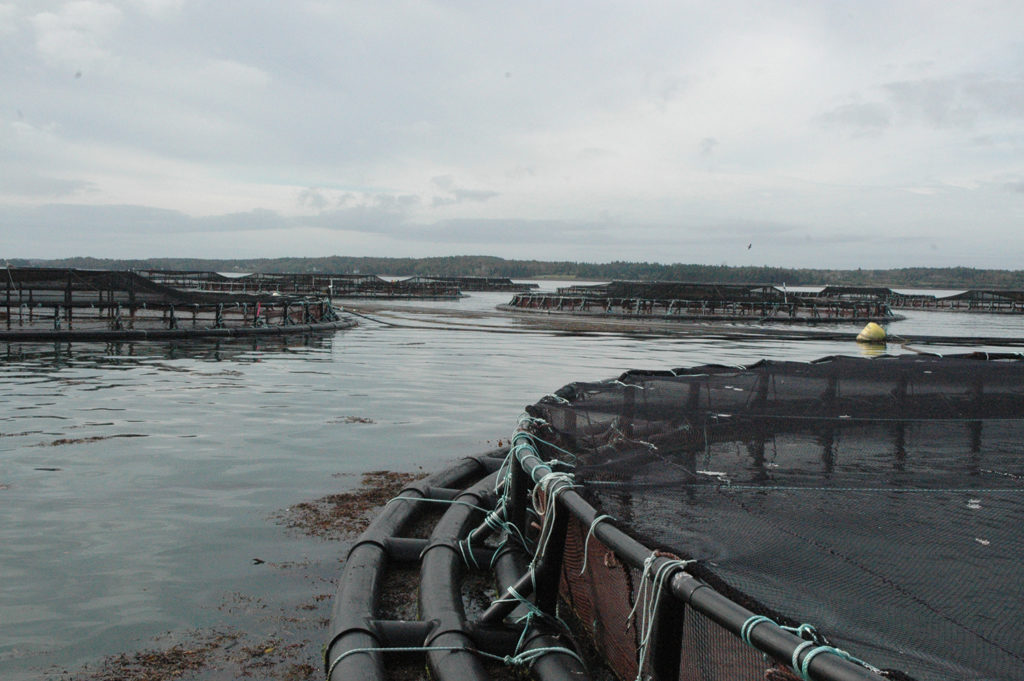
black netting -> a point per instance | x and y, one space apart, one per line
880 500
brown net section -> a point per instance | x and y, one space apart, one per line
711 653
601 597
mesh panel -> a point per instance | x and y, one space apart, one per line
711 653
601 599
880 500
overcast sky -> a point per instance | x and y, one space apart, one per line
833 133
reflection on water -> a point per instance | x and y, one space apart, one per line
136 479
204 349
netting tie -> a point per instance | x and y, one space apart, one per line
749 625
586 542
803 668
534 439
549 486
626 385
533 610
650 595
466 550
450 502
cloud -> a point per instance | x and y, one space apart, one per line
862 117
77 33
655 133
41 186
456 194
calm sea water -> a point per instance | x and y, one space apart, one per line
137 481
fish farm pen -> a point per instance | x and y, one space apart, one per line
490 284
707 302
73 304
1009 301
839 520
334 285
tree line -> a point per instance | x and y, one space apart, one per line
490 266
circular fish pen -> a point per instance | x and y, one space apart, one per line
838 520
678 301
49 304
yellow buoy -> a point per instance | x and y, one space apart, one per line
872 333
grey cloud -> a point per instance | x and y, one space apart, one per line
707 145
999 97
473 195
954 102
371 219
464 196
103 221
41 186
256 219
312 198
1017 187
511 231
867 117
458 194
938 102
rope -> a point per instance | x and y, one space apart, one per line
748 627
650 595
795 488
449 502
814 641
804 668
550 488
535 439
586 542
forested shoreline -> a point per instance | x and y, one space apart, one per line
489 266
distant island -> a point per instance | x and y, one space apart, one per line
489 266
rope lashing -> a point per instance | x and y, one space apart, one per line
816 644
533 439
803 668
749 625
533 611
586 542
450 502
651 589
548 488
466 551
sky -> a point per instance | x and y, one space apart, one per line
837 134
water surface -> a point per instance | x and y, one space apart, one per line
138 481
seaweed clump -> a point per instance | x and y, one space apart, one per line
337 516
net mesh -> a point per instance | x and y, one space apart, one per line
879 500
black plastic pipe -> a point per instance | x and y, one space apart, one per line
511 569
441 573
355 602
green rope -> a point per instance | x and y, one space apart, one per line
748 627
815 642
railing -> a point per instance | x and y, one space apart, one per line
646 615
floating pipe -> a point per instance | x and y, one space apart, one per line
356 599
